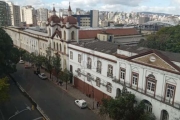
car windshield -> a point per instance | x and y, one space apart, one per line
84 103
43 74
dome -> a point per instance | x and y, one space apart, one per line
70 19
54 18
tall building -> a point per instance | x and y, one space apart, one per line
42 15
88 20
28 15
4 14
143 20
15 14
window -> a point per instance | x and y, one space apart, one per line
109 87
54 45
98 81
64 35
57 46
151 86
134 79
88 77
122 73
72 35
89 63
99 66
110 71
79 58
170 91
64 49
79 72
71 55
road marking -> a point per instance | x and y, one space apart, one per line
2 115
38 118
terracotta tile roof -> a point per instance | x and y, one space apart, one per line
88 34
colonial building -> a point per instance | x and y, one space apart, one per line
101 70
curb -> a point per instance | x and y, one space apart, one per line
68 92
30 98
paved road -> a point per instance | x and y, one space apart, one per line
17 102
56 103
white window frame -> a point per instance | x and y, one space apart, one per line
122 73
109 87
98 82
79 58
71 55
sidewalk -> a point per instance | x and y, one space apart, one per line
76 94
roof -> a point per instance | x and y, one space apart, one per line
89 34
101 46
54 18
70 19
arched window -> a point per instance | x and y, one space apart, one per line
88 77
72 35
65 49
64 35
89 63
57 46
54 45
60 47
49 32
109 87
98 66
98 81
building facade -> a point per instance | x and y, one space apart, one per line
88 20
5 19
15 14
42 15
28 15
102 69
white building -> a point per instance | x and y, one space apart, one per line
15 14
28 15
101 70
42 15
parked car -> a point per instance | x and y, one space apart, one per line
21 62
81 103
27 66
42 76
36 72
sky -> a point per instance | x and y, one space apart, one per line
160 6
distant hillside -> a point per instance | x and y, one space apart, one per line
156 13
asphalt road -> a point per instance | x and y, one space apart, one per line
56 103
17 102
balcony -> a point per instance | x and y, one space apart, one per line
98 70
88 66
149 94
109 75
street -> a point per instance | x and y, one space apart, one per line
17 102
56 103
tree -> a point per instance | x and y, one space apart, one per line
9 55
48 60
124 108
4 89
57 65
65 76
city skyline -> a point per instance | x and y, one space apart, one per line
172 6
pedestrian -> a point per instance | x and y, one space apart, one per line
97 104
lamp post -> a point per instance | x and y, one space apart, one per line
18 112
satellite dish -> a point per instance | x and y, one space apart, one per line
152 59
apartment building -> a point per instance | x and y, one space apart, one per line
5 18
14 14
42 15
28 15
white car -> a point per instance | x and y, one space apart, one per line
81 103
42 76
21 62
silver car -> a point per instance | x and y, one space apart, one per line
42 76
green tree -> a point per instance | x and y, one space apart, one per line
65 76
9 55
166 39
48 60
57 65
124 108
39 60
4 89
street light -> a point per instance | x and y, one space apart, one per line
18 112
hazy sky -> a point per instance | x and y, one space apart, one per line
163 6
